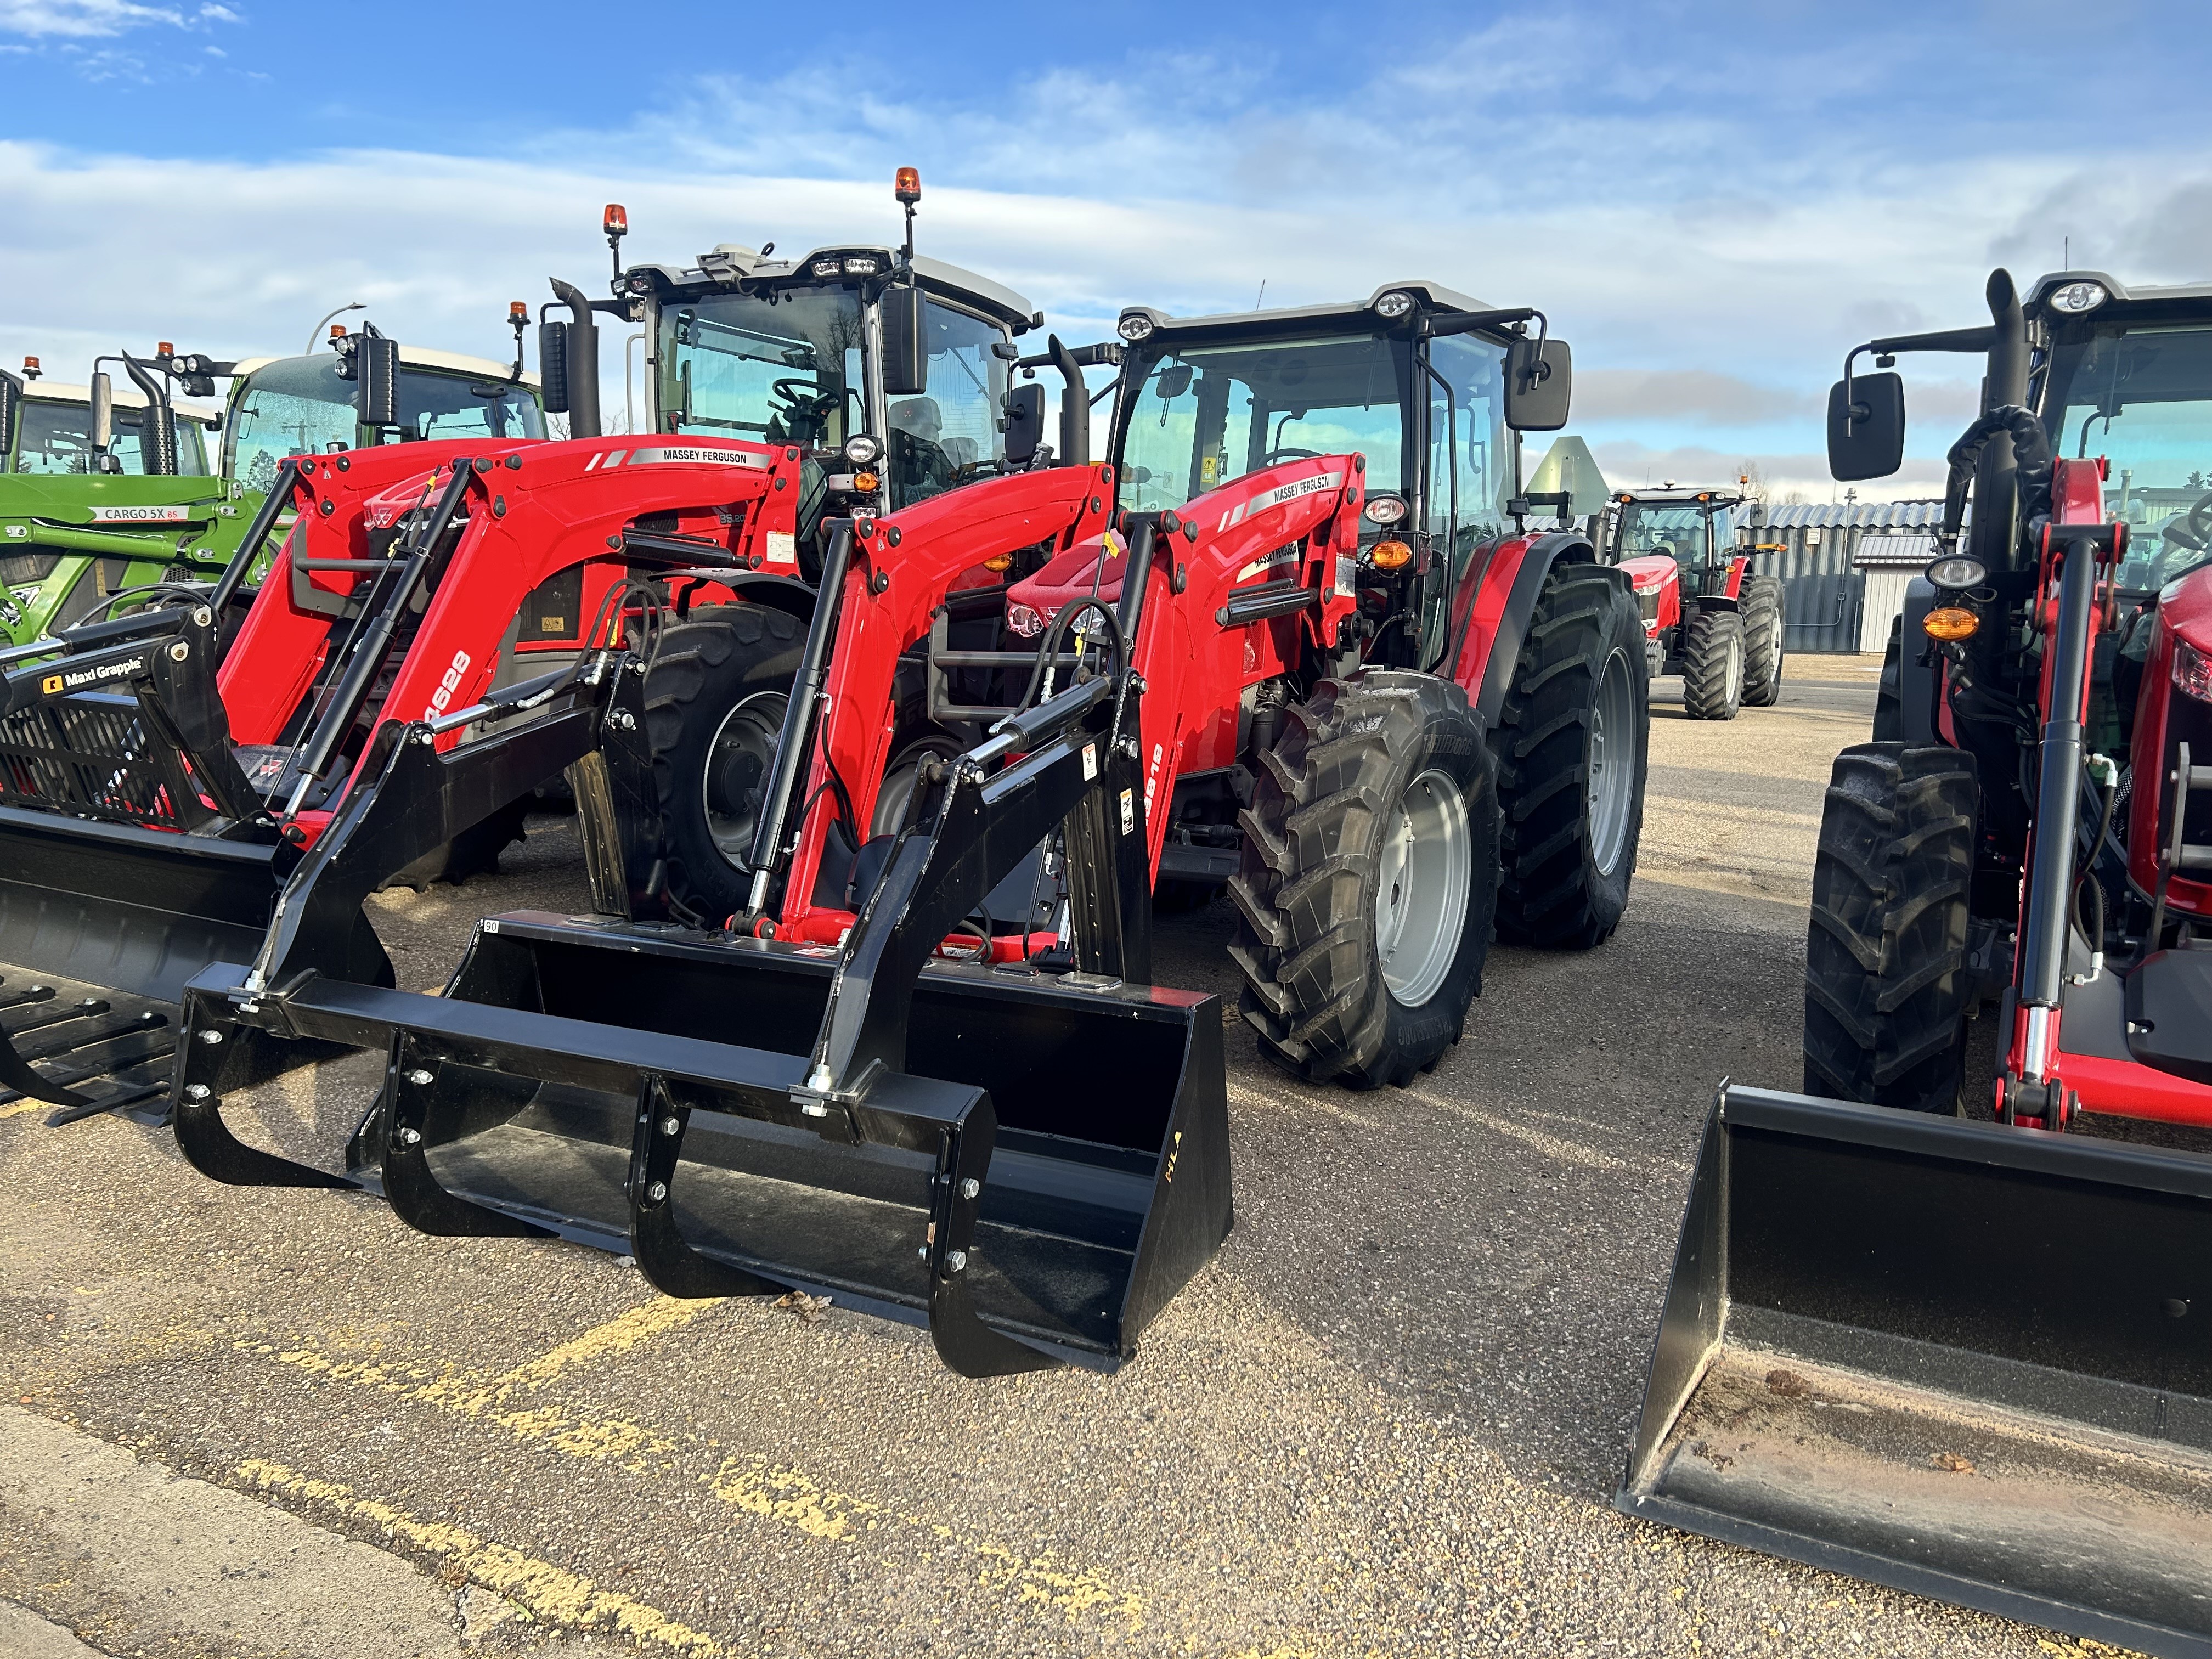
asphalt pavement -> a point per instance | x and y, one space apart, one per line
1387 1420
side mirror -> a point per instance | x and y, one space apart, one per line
906 343
1866 429
1024 422
553 365
1539 383
103 411
11 404
376 367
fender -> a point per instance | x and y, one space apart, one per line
767 587
1916 686
1717 602
1521 566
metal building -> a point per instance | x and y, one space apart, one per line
1838 566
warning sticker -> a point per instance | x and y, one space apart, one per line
782 547
1089 762
1128 811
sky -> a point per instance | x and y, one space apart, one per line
1711 202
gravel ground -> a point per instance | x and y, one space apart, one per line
1387 1420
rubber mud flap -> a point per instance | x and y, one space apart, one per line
1967 1360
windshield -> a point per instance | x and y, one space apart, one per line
954 433
2141 397
300 405
1202 416
782 365
57 438
1677 531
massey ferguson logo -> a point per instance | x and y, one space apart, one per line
54 684
1278 496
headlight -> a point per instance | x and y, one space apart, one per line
1383 510
861 448
825 267
1134 327
2192 671
1950 621
1394 304
2077 297
1958 572
1390 556
863 267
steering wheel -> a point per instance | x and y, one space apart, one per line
2194 530
1274 455
804 396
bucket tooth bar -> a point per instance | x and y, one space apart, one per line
879 1163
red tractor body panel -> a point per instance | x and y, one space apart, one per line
2184 617
1657 580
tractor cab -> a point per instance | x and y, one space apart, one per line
52 433
1687 552
1431 387
1699 531
888 369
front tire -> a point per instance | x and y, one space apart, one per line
714 707
1886 988
1369 880
1573 741
1712 666
1762 641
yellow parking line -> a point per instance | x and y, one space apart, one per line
618 1335
783 1496
17 1108
549 1592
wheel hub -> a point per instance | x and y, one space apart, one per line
1611 763
1425 875
738 761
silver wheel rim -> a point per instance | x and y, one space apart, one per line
737 762
1735 694
1611 763
1421 898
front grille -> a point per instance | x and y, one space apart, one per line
89 755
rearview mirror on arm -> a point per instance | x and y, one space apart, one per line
1539 383
1024 424
906 342
376 367
11 404
103 415
1866 427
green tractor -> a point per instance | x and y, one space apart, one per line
110 491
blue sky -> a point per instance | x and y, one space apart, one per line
1712 201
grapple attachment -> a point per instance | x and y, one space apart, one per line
1966 1360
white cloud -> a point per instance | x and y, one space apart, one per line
100 19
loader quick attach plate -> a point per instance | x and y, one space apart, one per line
530 1081
1968 1361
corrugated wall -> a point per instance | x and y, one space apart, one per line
1824 599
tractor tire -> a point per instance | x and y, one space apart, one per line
1887 992
1369 881
474 852
714 697
1889 691
1712 666
1573 744
1762 641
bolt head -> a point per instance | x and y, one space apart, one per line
211 1037
411 1137
196 1092
958 1261
669 1126
179 651
658 1191
419 1077
970 1187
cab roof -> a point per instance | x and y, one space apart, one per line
415 357
2175 300
724 265
1348 314
1685 495
126 397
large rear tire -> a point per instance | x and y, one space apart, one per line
1712 666
1573 743
714 706
1370 878
474 852
1762 641
1887 987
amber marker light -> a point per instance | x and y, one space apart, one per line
614 219
999 563
1951 622
866 483
1390 556
906 184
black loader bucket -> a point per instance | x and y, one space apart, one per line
1029 1166
1967 1360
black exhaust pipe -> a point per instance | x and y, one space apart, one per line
579 360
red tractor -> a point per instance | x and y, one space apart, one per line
1293 634
1974 1358
1688 552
